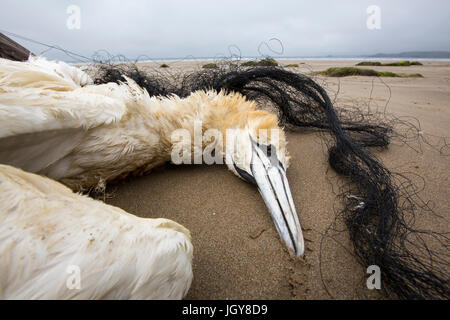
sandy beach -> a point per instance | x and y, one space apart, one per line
238 254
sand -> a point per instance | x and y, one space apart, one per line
238 254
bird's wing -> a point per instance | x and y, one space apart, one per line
41 73
44 111
56 244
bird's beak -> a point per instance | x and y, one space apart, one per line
270 177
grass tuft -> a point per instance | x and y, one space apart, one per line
210 66
266 62
392 64
352 71
369 63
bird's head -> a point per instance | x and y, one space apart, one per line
254 148
256 152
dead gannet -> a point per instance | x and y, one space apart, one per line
55 122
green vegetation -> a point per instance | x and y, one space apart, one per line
210 66
352 71
369 63
403 64
292 65
393 64
250 64
400 75
164 66
348 71
266 62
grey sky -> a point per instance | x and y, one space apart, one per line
207 28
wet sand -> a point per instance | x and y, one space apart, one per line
238 254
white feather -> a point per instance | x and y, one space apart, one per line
38 71
45 228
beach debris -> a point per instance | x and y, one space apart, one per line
9 49
255 234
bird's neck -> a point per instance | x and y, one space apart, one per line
195 122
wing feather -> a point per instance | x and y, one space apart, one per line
38 72
44 111
45 229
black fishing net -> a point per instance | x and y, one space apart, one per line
378 205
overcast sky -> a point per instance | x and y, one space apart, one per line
208 28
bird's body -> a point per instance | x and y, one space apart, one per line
56 123
87 135
46 229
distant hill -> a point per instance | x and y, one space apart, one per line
414 54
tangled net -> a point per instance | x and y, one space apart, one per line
375 210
